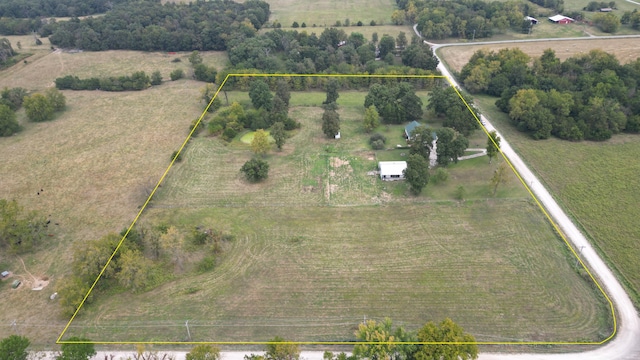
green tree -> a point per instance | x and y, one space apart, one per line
14 347
283 91
450 146
447 103
401 40
195 58
20 232
204 352
72 290
260 95
446 331
417 173
279 134
38 108
378 333
330 123
397 17
387 45
500 176
205 73
82 350
134 270
279 349
607 22
371 119
176 74
493 144
421 141
56 99
8 123
156 78
172 245
260 143
255 170
332 92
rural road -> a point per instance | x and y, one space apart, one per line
626 344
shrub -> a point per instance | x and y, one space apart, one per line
460 193
255 170
441 175
207 263
377 136
304 25
198 129
377 145
176 74
295 25
372 23
359 23
156 78
177 156
176 60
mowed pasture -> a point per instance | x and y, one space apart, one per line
94 163
327 12
320 245
625 50
42 72
596 184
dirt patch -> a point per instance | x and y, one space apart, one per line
308 189
337 162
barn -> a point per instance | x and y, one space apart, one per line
392 170
561 19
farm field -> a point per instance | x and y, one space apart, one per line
596 184
626 50
327 12
320 244
95 163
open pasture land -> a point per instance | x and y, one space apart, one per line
327 12
42 72
320 244
95 164
626 50
596 183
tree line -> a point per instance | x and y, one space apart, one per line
333 51
462 19
136 81
153 26
586 97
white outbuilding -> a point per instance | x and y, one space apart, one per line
392 170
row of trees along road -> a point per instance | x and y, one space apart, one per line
586 97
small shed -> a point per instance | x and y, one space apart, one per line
409 129
4 274
532 20
392 170
561 19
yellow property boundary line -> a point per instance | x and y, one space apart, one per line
546 214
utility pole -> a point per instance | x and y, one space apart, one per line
188 332
474 35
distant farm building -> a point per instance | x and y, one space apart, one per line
561 19
532 20
392 170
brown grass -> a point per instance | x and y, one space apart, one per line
93 162
41 72
625 50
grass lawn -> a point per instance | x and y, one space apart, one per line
626 50
596 183
320 244
327 12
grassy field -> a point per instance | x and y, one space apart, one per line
94 163
625 50
320 244
41 73
596 183
327 12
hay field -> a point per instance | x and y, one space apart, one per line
320 244
42 72
626 50
94 163
327 12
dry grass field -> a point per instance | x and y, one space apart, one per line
41 73
94 163
320 244
625 50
